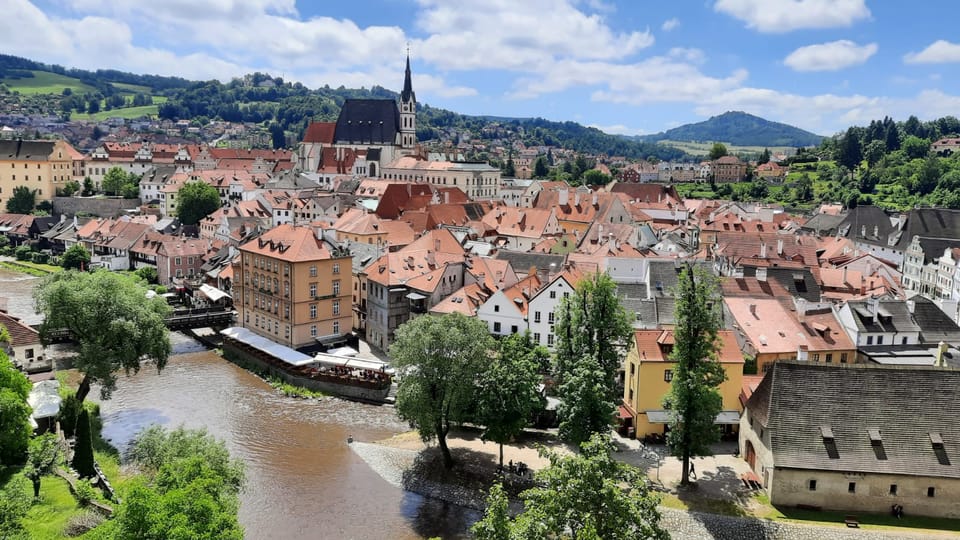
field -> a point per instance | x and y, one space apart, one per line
702 149
45 82
127 112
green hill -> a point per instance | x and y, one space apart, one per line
740 129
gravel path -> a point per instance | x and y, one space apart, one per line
683 525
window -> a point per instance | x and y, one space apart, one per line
513 329
812 485
851 487
843 358
931 491
550 317
336 327
633 368
829 358
189 260
496 308
536 317
566 295
496 327
336 307
336 268
879 340
904 340
313 290
536 337
176 261
553 294
893 489
313 270
313 311
549 340
816 357
667 375
336 287
313 330
631 395
28 353
869 340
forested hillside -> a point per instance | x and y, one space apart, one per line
740 129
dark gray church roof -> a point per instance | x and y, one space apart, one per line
16 149
368 121
930 222
861 418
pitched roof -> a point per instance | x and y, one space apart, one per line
290 243
372 121
20 150
889 316
20 334
933 223
935 325
820 417
656 346
320 132
465 301
522 261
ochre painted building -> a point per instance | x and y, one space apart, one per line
649 373
293 287
43 166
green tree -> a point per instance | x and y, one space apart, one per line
113 322
495 524
148 274
189 489
76 258
69 411
70 188
14 505
42 458
593 177
848 151
764 157
87 185
23 252
587 405
540 168
592 322
15 426
196 201
585 496
440 359
22 200
717 151
803 189
507 393
509 170
113 181
873 152
694 398
83 460
915 147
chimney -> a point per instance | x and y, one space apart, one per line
762 275
874 305
596 199
779 246
763 249
436 244
941 349
576 198
599 233
801 309
753 310
863 231
446 197
845 282
564 197
911 306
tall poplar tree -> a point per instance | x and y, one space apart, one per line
694 396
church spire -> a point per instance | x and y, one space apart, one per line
407 95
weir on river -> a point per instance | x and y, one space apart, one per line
303 481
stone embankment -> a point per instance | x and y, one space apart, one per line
396 464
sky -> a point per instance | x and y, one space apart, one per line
627 67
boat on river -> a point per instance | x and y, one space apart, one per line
344 376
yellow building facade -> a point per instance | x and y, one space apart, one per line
42 166
648 374
294 288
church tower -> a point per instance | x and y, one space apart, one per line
408 112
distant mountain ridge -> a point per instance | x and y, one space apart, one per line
740 129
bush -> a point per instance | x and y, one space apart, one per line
82 523
23 252
85 492
69 409
40 257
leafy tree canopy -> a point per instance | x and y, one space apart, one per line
22 200
76 258
196 200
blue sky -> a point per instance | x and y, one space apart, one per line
631 66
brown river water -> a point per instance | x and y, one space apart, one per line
303 481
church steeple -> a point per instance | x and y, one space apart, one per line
408 112
407 94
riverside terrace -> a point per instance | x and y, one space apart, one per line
344 376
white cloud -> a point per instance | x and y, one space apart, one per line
777 16
619 129
670 24
695 56
518 36
938 52
832 56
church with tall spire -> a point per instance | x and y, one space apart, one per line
368 134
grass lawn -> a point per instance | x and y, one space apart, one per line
126 112
47 518
703 148
32 268
46 82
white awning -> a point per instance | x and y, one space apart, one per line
352 363
415 296
213 293
276 350
44 399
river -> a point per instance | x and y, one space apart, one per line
303 481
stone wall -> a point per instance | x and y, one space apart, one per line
106 208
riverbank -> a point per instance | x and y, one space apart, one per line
406 462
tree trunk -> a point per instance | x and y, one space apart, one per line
447 458
36 488
83 389
501 456
685 477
